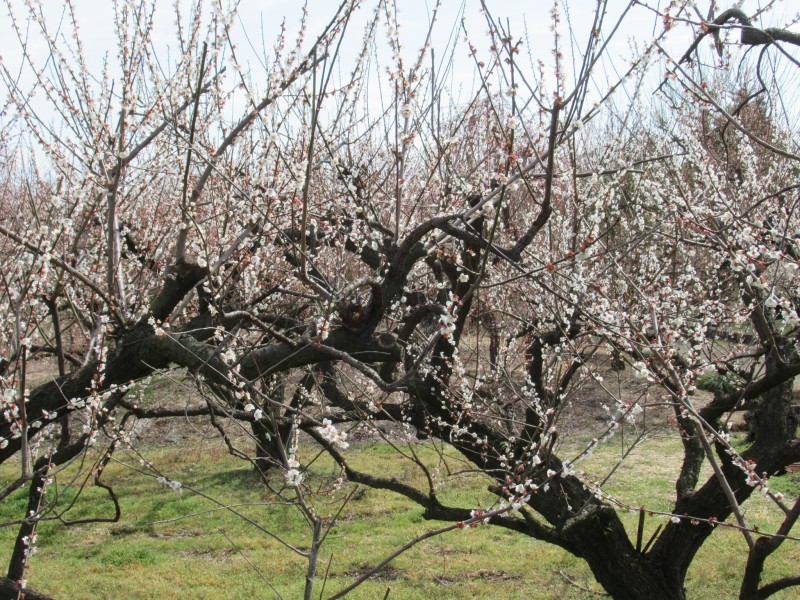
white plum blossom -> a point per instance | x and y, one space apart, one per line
294 478
447 325
331 434
293 475
323 328
175 486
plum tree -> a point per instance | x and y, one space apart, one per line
361 244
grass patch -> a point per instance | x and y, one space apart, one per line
174 545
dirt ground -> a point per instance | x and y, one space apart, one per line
587 410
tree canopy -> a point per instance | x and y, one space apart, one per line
321 242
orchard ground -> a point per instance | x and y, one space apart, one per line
178 545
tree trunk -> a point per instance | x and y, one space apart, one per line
624 573
271 449
9 590
269 453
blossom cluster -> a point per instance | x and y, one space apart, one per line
331 434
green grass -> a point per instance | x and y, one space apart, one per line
170 545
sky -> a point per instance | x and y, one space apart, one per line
259 21
95 17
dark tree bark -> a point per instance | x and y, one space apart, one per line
751 36
9 590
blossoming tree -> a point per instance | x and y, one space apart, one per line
356 245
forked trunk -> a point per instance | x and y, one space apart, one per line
624 573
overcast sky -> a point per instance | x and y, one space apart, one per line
259 21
